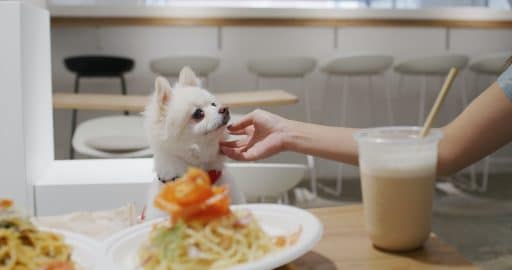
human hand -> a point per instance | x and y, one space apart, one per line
265 135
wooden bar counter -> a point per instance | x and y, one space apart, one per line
136 103
345 245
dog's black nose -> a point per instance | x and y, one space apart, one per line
225 119
224 110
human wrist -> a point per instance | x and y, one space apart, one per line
290 130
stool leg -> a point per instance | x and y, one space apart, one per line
399 91
423 90
388 100
307 100
258 82
123 90
485 176
371 101
339 173
73 119
465 102
344 103
206 81
325 99
310 159
472 177
286 198
464 94
477 80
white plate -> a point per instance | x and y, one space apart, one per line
122 248
86 251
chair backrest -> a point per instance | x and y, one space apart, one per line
265 179
281 66
171 66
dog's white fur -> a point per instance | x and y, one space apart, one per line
177 140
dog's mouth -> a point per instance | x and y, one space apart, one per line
220 125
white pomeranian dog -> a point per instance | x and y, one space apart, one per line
184 125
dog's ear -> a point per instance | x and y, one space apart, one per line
188 78
163 91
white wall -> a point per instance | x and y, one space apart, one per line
234 45
25 106
37 3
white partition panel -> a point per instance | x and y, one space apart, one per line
89 185
25 107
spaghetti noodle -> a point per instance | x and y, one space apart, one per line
24 247
205 234
218 244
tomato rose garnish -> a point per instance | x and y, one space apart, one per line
193 197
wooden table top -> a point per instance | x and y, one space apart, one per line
136 103
345 245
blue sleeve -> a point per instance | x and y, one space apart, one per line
505 82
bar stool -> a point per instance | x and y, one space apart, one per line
487 65
112 137
433 66
490 65
350 66
430 66
171 66
91 66
295 68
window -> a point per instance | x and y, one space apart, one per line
405 4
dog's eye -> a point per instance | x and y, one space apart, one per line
198 114
214 105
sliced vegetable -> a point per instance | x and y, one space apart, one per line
192 191
5 203
60 265
168 240
192 197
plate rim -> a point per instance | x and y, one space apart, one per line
95 247
290 255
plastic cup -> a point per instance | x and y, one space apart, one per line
398 171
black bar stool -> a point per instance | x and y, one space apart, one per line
92 66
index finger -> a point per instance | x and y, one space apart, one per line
246 121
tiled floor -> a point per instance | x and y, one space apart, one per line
478 225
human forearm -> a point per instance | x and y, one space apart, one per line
478 131
333 143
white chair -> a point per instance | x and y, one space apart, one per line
112 137
291 68
266 180
487 65
490 64
350 66
171 66
430 66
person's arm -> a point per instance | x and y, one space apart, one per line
482 128
268 134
